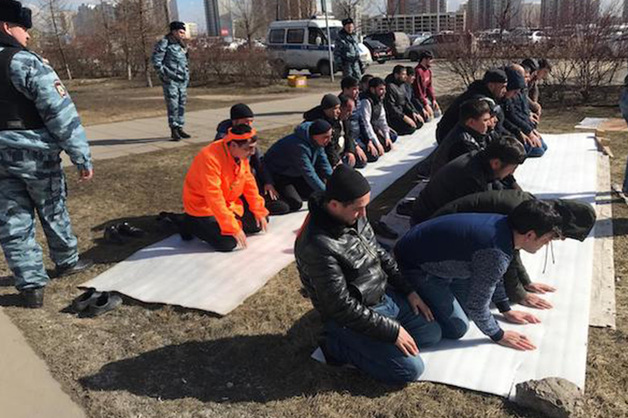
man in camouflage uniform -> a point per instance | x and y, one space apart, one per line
37 121
170 60
347 51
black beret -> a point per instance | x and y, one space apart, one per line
347 21
495 75
12 12
346 185
241 111
319 126
176 25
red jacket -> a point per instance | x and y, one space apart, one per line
423 88
214 185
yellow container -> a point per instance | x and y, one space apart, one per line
297 81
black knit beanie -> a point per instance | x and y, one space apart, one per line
319 126
495 75
241 111
176 25
329 101
346 185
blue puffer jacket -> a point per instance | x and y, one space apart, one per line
170 60
297 155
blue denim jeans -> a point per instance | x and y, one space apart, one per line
446 298
535 152
623 106
380 359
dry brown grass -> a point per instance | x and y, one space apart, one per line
164 361
114 100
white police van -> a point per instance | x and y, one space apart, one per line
302 45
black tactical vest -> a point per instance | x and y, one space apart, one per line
16 111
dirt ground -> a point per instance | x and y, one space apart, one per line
114 100
162 361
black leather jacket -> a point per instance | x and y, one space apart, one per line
345 272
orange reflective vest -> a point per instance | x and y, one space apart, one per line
214 185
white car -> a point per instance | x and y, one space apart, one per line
365 55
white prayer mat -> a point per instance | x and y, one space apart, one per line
192 275
568 170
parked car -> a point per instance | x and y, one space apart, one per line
397 41
439 44
365 55
380 52
420 37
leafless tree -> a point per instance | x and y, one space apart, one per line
144 33
507 14
52 10
250 19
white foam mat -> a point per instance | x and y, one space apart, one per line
192 275
569 171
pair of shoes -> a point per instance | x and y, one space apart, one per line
32 298
96 303
175 135
116 234
80 265
384 230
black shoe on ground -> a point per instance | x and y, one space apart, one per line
384 230
104 303
405 208
113 235
174 134
183 134
33 298
129 230
79 266
82 302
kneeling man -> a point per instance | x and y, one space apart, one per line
346 273
212 193
457 263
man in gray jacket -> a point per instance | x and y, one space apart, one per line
170 60
347 51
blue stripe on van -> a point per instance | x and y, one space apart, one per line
300 47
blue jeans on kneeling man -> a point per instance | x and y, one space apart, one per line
446 298
380 359
535 152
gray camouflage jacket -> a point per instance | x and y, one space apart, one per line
170 60
346 48
38 82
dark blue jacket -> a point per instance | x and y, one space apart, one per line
474 246
517 113
297 155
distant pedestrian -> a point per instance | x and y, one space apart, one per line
170 60
37 121
347 51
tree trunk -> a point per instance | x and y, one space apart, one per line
146 60
58 40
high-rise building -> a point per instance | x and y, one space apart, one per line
492 14
560 13
427 22
414 7
212 17
91 17
191 30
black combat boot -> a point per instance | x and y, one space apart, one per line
183 134
174 134
79 266
33 298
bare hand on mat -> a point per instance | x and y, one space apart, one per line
270 190
240 238
406 343
533 301
519 317
517 341
539 288
262 224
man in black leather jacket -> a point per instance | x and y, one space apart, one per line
347 274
